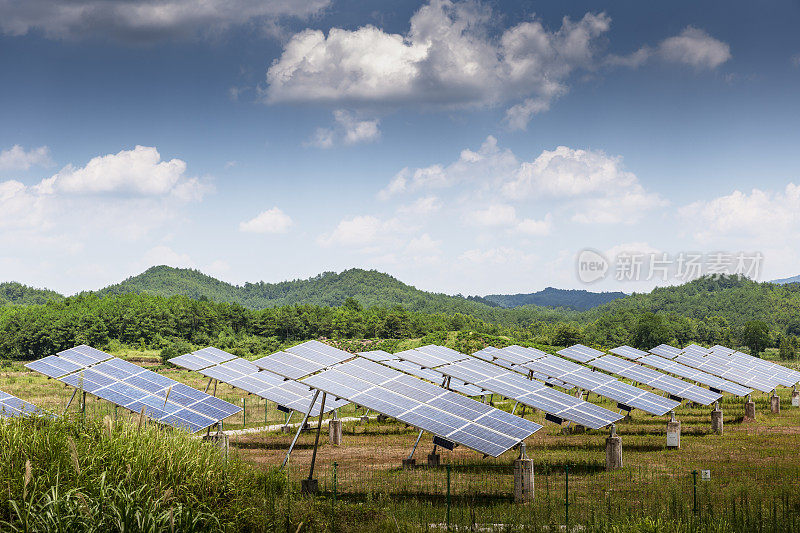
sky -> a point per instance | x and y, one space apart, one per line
473 147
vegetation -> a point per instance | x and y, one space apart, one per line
13 293
578 300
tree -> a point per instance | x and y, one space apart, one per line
650 331
565 334
788 347
755 335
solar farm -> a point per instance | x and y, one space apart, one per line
500 438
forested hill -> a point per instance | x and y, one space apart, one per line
13 293
580 300
369 287
733 299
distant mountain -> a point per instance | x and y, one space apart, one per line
13 293
579 300
784 281
368 287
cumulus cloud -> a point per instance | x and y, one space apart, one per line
529 226
355 231
136 172
448 57
421 206
144 20
767 215
270 221
17 158
596 186
348 130
501 255
20 207
693 47
696 48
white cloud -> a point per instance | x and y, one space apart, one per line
421 206
593 185
693 47
17 158
518 116
447 58
348 130
531 226
138 172
766 215
423 244
795 60
696 48
501 255
144 20
20 207
484 166
493 215
270 221
355 231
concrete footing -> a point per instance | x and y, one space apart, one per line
409 464
716 421
673 434
775 404
220 440
795 399
750 410
309 486
523 480
613 452
433 459
335 432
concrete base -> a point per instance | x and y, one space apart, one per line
613 453
673 434
795 399
523 480
309 486
716 421
749 410
335 432
286 429
775 405
409 464
434 459
220 440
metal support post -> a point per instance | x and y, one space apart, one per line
414 448
297 435
208 384
316 439
70 401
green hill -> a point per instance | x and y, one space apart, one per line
579 300
368 287
13 293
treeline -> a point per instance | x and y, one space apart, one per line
155 322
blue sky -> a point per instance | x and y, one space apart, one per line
464 147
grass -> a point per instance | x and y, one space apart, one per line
108 474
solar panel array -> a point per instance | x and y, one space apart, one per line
11 406
720 366
665 350
511 364
242 374
135 388
303 359
579 353
511 384
626 395
394 361
424 405
515 386
652 378
677 369
786 376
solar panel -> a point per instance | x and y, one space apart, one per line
428 358
135 388
580 353
674 386
784 376
427 406
680 370
245 375
302 360
532 393
727 368
513 358
665 350
623 393
11 406
628 352
377 355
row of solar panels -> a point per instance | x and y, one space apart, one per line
135 388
